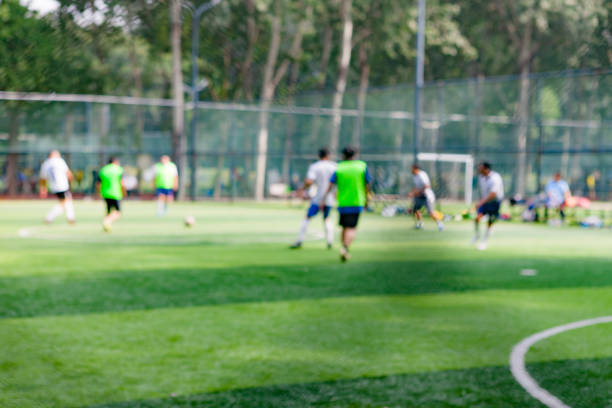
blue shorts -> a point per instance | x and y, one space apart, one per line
314 210
164 191
491 209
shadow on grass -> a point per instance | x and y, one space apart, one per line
580 383
161 288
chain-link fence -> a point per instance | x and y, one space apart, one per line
526 128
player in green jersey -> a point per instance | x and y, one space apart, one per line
352 179
166 183
112 191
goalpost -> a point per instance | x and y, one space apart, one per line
465 159
405 159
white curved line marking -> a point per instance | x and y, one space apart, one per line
517 360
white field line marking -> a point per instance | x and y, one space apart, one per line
24 232
34 232
517 360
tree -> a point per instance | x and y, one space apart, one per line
26 68
528 28
272 75
344 61
178 112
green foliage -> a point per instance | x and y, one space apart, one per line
78 53
28 45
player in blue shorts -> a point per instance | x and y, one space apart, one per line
319 173
492 194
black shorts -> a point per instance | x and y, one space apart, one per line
420 202
112 204
349 220
491 209
62 194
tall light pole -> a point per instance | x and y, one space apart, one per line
195 89
418 83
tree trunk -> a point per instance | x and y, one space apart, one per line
344 63
137 78
476 121
178 116
68 132
272 77
327 47
103 130
267 93
403 176
246 76
225 131
13 156
523 111
291 128
565 156
363 93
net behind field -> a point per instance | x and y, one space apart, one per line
567 127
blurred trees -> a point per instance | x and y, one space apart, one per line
124 46
266 50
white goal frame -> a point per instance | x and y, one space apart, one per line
466 159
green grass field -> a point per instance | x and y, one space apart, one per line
224 315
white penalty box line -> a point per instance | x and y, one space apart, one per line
517 360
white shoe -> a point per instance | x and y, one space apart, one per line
481 246
474 240
440 227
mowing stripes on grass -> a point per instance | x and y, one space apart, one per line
484 387
517 359
223 313
92 359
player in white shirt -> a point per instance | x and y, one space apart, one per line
423 197
319 174
492 194
55 176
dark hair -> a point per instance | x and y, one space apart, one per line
415 165
112 159
486 165
323 152
348 152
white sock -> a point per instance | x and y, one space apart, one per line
476 231
303 229
69 210
161 208
56 211
329 229
486 235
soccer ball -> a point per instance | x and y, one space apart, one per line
189 221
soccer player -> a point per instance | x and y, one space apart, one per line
55 176
166 183
492 193
319 173
423 197
557 192
112 190
352 180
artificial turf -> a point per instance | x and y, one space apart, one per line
223 314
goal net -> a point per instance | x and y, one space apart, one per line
451 177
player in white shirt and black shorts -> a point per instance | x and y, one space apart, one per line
423 197
492 194
55 177
319 174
